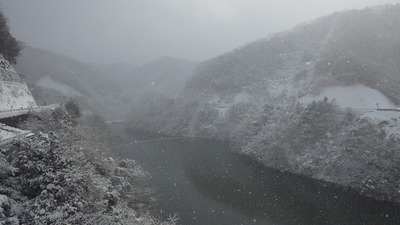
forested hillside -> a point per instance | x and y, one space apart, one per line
251 97
108 90
352 47
53 78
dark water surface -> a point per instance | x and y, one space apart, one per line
205 183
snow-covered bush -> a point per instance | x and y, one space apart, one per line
72 108
66 174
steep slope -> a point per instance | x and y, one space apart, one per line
353 47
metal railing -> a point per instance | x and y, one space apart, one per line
16 112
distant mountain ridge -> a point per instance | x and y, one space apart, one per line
108 90
165 75
53 78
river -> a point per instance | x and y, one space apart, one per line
205 183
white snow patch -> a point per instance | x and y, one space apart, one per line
356 97
14 93
382 116
56 215
48 83
392 128
15 96
241 97
7 133
3 199
4 203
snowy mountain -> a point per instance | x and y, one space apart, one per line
352 53
349 48
293 101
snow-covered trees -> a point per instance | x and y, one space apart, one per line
320 142
66 174
317 140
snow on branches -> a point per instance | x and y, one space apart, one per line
53 178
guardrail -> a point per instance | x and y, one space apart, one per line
154 140
17 112
393 110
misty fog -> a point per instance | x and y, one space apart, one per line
200 112
140 31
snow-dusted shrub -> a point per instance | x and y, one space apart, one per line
203 123
72 108
66 174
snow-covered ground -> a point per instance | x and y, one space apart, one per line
353 97
48 83
382 115
7 133
392 118
15 96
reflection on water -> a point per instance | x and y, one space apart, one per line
205 183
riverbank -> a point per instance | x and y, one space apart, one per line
206 183
315 140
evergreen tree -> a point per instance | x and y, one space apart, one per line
9 46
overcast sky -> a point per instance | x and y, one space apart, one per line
138 31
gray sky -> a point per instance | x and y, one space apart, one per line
141 30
